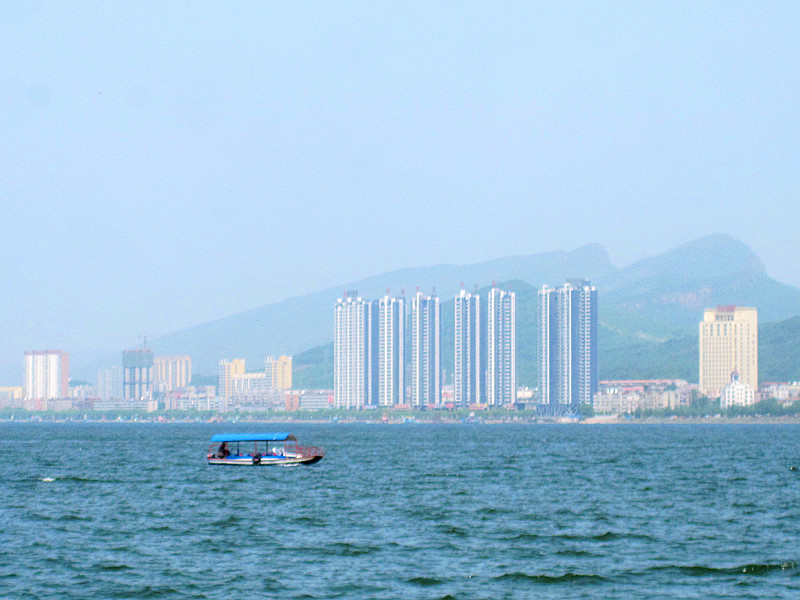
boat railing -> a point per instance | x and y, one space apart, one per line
309 451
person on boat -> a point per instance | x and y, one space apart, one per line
223 451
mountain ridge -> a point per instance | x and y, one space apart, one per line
654 299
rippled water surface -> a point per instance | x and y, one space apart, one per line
403 511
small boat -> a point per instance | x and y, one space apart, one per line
279 449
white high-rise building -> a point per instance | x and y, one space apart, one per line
501 348
354 381
109 383
391 350
568 364
46 374
467 377
426 379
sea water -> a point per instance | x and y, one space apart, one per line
456 511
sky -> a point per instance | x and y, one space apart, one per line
165 164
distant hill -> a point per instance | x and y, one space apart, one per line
296 324
663 297
652 301
779 351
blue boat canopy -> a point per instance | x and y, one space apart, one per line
253 437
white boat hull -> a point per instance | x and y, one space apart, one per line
276 461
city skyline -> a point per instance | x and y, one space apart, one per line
731 333
694 253
370 351
714 259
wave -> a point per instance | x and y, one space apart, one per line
342 549
112 567
524 537
545 579
309 521
76 479
156 592
453 530
425 581
227 521
746 569
492 510
606 536
72 517
577 553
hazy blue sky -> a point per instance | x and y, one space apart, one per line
164 164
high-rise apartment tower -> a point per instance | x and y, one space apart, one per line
467 376
426 380
109 383
568 365
279 372
172 372
501 348
391 350
355 381
228 370
46 374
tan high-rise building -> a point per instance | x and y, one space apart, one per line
728 344
279 372
228 369
172 372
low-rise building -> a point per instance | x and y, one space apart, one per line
783 392
122 404
83 390
628 396
737 393
316 399
11 397
196 397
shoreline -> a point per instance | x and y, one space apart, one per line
750 420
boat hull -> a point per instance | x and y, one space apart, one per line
265 461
